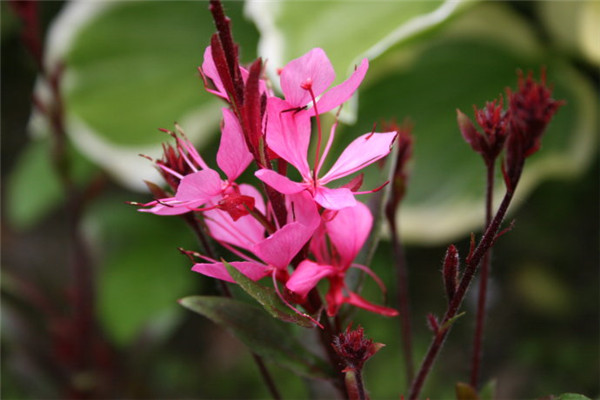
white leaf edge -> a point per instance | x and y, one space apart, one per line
123 163
419 225
272 42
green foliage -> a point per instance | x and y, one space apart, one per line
141 273
268 298
261 333
34 187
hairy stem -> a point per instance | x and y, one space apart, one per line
483 280
472 263
403 299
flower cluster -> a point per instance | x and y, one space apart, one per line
518 129
296 232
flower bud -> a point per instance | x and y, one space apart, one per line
450 271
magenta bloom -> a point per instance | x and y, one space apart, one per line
274 253
289 130
314 72
205 186
288 135
347 232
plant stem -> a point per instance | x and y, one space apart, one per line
472 263
403 300
266 376
326 336
355 385
483 280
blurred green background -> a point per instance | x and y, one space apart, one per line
131 68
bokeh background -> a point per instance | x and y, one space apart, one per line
130 68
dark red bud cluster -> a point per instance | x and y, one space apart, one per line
494 122
354 348
518 129
531 108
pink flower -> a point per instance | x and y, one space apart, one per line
274 253
205 186
347 232
289 130
288 135
310 75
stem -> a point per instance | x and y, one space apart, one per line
266 376
355 385
326 336
472 262
403 299
483 280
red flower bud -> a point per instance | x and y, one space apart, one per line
450 271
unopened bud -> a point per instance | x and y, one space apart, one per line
450 271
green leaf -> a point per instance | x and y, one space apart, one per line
141 274
347 30
488 391
131 68
571 396
469 63
464 391
451 321
34 188
262 334
573 26
268 298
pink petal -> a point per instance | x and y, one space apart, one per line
349 230
363 151
170 206
315 67
282 246
339 94
199 186
279 182
254 271
307 275
302 208
358 301
334 199
288 133
233 156
210 70
243 233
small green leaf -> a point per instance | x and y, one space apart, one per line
268 298
464 391
488 391
451 321
262 334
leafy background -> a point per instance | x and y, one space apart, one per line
131 69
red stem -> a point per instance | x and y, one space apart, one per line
403 298
472 263
483 280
